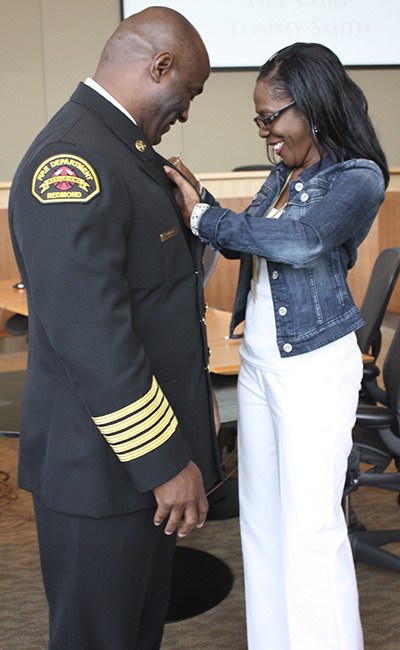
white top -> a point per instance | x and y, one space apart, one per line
259 344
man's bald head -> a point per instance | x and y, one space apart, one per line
155 59
150 31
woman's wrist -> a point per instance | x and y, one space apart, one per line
195 218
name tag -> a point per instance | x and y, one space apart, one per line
172 232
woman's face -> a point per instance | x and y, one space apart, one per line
288 134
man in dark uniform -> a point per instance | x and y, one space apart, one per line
117 438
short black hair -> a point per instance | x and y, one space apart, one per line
333 104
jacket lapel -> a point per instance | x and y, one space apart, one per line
150 161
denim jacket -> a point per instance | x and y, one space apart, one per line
309 249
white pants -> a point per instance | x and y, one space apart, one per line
294 440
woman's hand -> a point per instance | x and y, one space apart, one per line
188 196
176 161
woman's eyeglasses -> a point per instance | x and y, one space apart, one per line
263 122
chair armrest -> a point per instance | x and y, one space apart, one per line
373 392
387 480
370 371
375 417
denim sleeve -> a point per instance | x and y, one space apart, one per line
305 232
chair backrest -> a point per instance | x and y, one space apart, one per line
391 376
252 168
379 290
210 258
17 325
389 397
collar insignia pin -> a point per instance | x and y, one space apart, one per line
140 145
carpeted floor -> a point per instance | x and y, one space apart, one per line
23 610
11 389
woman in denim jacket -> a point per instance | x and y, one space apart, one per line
300 364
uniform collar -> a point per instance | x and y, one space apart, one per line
104 93
123 126
126 130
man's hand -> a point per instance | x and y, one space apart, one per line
182 499
188 196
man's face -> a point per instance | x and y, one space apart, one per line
173 96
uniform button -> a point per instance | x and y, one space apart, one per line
299 186
287 347
282 311
275 275
304 197
196 272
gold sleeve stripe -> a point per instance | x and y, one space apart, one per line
127 410
143 426
133 443
157 442
137 417
140 427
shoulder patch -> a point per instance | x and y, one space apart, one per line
65 178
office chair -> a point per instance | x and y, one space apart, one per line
380 287
210 259
379 290
223 501
376 442
252 168
17 325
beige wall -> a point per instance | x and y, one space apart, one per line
47 46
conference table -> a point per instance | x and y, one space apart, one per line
224 351
11 298
224 356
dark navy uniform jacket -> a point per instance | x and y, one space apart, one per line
117 398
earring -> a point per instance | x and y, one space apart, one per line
315 129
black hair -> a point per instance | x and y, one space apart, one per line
334 105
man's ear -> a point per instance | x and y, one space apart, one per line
160 65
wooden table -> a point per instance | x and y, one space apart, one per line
224 352
11 298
